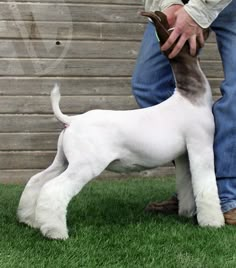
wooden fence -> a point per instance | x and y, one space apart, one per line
90 48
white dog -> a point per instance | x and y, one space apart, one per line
180 129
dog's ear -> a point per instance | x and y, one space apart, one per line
161 24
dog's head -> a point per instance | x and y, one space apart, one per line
163 31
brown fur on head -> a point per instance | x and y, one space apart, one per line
162 28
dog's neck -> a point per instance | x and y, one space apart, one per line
190 80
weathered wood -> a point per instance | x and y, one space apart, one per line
72 105
23 86
69 31
29 123
70 12
215 85
26 160
26 86
75 31
61 67
83 49
83 67
210 52
69 49
17 176
212 69
28 141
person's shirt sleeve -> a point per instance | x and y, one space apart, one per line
204 12
160 5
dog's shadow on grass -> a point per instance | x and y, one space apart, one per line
118 208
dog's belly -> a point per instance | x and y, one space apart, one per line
120 166
135 161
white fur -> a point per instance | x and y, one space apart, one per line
127 141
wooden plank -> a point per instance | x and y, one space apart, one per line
83 49
28 141
212 69
16 86
75 31
210 52
20 86
74 104
29 123
26 160
69 31
70 12
69 104
17 176
83 67
61 67
215 85
69 49
211 38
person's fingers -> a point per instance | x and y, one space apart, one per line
179 45
171 40
193 45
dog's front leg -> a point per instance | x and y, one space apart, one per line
184 188
204 182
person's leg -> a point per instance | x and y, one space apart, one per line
225 109
152 80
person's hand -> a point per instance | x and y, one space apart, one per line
170 14
185 28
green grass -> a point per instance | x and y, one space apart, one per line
109 228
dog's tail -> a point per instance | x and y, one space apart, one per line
55 100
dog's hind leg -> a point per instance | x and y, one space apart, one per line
184 187
56 194
28 200
205 191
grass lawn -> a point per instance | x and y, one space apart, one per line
109 228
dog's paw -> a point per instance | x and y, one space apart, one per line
211 220
187 208
54 232
187 212
27 217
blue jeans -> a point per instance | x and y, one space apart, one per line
153 83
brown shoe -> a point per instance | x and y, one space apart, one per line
169 206
230 217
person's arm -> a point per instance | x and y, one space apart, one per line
163 4
160 5
204 12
